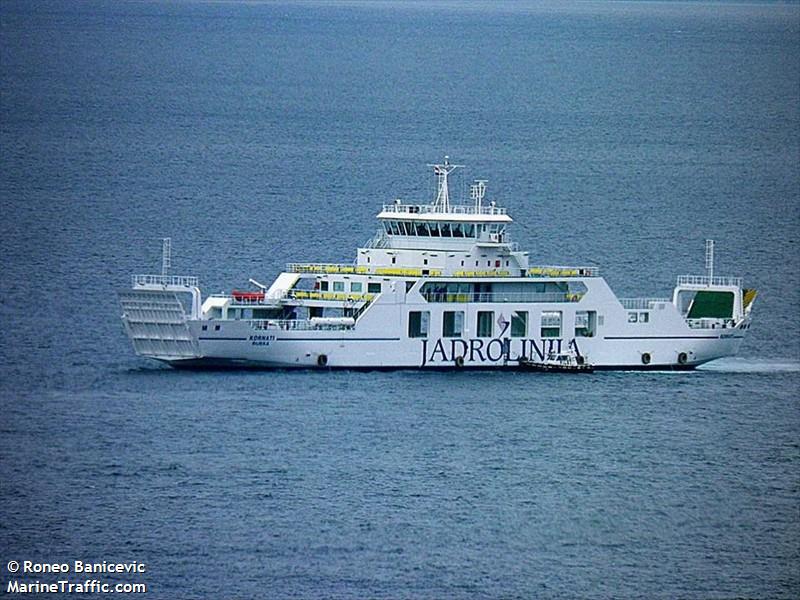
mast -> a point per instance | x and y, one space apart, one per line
442 201
710 261
166 256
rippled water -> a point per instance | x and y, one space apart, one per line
621 134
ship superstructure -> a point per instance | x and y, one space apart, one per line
440 285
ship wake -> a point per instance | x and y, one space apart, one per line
752 365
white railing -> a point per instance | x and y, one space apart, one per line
164 280
379 240
327 268
642 303
707 281
298 325
431 209
536 271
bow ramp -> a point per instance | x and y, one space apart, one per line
155 319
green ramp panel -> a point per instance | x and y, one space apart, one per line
712 305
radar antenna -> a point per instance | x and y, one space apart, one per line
443 195
477 191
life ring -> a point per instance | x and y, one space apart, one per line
459 360
683 358
322 360
645 358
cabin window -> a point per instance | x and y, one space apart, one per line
356 286
323 286
434 229
519 323
445 228
338 286
633 317
205 327
418 323
374 288
394 260
453 323
422 229
216 327
585 323
485 323
644 317
551 324
424 261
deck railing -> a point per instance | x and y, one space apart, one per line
298 325
708 281
163 280
535 271
558 271
336 296
424 209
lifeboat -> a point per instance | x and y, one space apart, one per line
244 296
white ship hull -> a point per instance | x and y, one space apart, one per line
378 338
439 286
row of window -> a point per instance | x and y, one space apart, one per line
430 229
373 287
487 325
641 317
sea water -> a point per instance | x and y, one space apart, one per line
618 134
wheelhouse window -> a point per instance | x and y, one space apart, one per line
418 323
453 323
338 286
551 324
323 286
485 323
356 286
374 287
519 323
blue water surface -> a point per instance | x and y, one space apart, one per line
618 134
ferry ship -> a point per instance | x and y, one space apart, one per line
440 285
